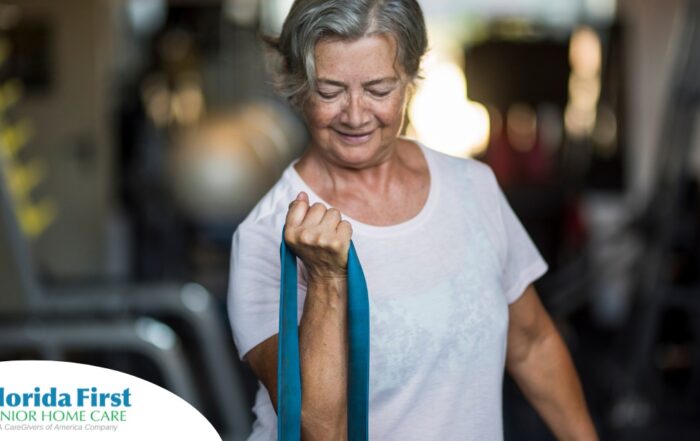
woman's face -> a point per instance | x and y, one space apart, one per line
355 113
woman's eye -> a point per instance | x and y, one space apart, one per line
328 95
380 93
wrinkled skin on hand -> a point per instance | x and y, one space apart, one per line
319 237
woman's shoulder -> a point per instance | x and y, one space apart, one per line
469 168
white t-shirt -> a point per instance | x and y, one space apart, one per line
439 287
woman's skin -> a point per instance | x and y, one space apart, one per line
358 164
356 160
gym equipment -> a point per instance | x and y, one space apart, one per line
85 319
661 222
220 168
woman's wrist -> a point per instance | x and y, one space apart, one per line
331 288
336 282
323 276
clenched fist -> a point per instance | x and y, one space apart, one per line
319 237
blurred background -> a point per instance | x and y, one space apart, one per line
136 134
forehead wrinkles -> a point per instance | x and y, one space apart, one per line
366 59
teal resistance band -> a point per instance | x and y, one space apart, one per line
288 371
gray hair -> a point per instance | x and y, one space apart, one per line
309 21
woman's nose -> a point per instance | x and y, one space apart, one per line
355 113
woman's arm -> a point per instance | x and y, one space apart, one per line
540 364
321 241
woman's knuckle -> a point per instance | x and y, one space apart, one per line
306 237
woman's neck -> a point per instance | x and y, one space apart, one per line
387 192
331 180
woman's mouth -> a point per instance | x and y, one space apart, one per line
354 138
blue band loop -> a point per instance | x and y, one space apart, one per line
288 370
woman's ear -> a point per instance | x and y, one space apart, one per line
411 88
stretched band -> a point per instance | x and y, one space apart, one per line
288 370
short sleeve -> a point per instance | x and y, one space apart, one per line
254 285
522 262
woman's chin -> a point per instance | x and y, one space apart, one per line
357 156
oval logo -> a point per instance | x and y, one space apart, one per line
54 400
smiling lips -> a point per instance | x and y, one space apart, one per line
352 138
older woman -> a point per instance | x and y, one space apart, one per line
448 266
